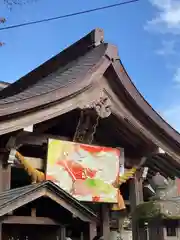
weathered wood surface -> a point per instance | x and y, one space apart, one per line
136 197
23 220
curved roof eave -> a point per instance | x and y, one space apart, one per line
59 85
56 95
35 116
68 55
109 56
3 84
141 104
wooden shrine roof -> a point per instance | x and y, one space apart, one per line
15 198
3 85
77 77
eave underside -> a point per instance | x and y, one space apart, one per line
115 133
110 132
165 165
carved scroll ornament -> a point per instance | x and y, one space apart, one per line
89 119
102 107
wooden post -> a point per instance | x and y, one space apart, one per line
136 191
33 212
1 233
1 173
136 197
92 230
5 175
105 221
63 233
82 236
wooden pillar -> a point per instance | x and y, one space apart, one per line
82 236
136 191
92 230
105 221
1 173
136 197
61 233
5 175
1 231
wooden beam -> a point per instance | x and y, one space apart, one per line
29 128
44 126
30 220
168 164
157 166
36 139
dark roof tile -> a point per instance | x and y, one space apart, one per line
61 60
8 197
72 73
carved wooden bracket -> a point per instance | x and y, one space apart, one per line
89 119
86 127
102 107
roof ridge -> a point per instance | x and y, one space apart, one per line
3 84
69 54
49 185
22 188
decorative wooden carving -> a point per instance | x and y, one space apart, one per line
102 107
89 119
86 127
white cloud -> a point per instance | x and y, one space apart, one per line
168 48
172 116
167 18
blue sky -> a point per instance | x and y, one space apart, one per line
146 33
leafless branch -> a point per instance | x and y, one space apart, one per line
10 3
2 20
